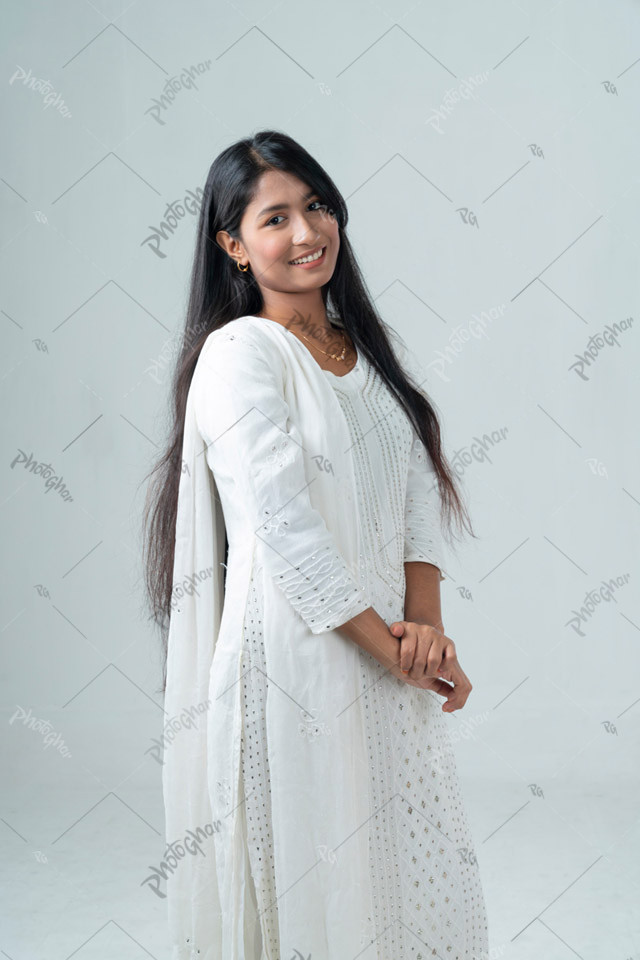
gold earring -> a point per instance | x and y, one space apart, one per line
241 268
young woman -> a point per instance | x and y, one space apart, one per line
294 554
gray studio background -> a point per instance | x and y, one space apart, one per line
489 156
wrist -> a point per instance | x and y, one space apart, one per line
429 621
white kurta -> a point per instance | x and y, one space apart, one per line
335 823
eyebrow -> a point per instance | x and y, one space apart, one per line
284 206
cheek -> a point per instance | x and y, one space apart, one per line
331 230
273 249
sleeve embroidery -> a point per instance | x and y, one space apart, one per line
423 539
243 417
423 535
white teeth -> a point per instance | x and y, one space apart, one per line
316 256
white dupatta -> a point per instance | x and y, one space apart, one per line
319 798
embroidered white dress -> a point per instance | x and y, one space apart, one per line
401 880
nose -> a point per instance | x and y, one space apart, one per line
300 237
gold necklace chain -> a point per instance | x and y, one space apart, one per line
332 355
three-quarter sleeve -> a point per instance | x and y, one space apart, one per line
252 444
423 503
423 534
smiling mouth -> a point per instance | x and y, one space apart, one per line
309 257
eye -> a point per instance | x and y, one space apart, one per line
280 215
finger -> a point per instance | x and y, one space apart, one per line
437 686
460 695
398 630
428 655
450 666
449 655
417 671
408 647
454 673
453 700
435 661
408 643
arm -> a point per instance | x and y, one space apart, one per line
425 651
254 447
422 594
422 564
370 632
423 540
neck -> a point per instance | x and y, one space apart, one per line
314 325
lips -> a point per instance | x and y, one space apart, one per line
309 253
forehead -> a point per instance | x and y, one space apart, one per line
276 185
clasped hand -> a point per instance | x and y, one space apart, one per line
427 660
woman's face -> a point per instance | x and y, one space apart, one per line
286 221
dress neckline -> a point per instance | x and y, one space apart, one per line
335 376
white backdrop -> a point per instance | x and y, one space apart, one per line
489 156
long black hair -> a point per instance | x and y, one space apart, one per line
219 293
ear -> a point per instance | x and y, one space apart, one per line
227 243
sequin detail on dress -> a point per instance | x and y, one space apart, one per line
422 510
255 772
426 892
